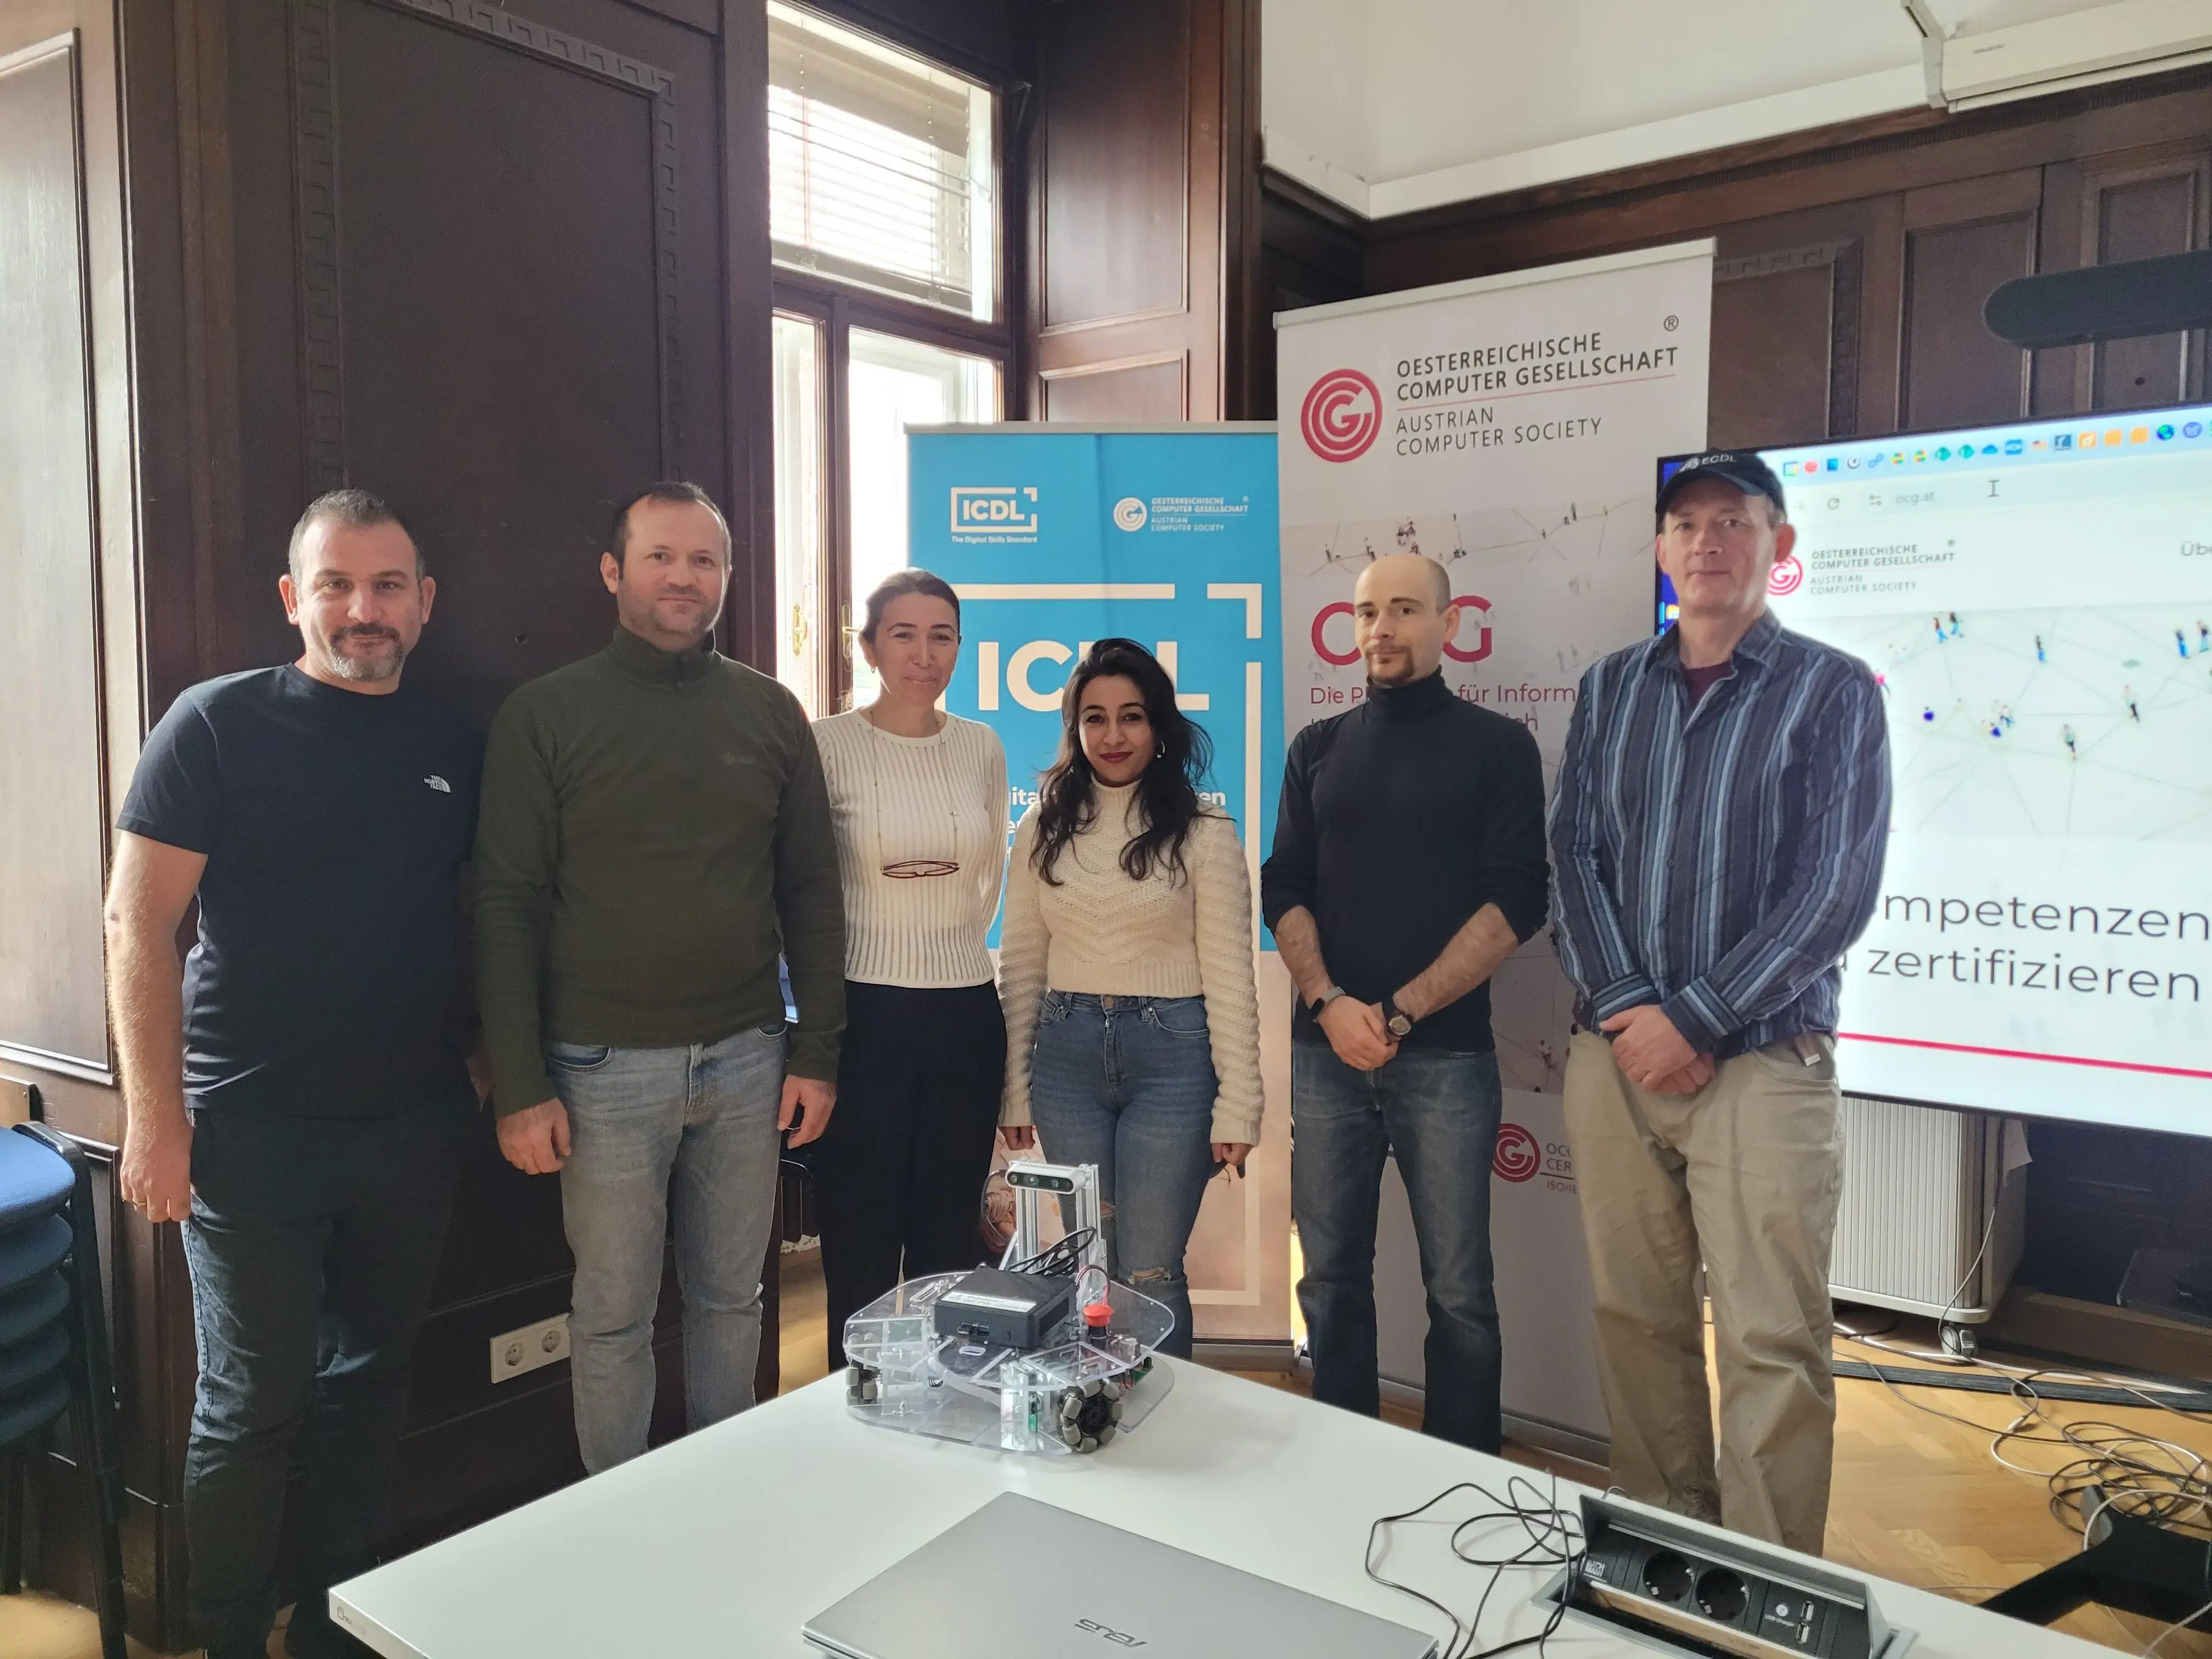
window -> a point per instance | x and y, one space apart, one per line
883 211
798 485
895 384
880 167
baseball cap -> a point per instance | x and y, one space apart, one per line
1740 467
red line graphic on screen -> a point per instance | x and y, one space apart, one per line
2025 1054
1335 425
1518 1156
1787 576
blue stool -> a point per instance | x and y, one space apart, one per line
53 1349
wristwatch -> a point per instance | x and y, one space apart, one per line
1325 999
1395 1020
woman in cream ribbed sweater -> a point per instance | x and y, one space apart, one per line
1125 970
918 803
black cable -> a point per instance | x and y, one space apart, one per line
1553 1538
1057 1260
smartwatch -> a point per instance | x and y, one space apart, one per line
1395 1020
1325 999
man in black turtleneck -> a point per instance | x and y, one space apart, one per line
1408 863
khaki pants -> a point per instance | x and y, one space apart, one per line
1742 1176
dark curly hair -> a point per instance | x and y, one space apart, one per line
1168 787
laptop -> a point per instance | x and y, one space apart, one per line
1022 1577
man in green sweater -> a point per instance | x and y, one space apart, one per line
654 832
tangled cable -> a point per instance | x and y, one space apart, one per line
1553 1537
2135 1473
1057 1260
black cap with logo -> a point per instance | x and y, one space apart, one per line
1740 468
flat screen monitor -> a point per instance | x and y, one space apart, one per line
2035 602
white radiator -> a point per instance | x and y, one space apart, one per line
1922 1187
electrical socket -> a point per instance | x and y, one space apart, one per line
524 1349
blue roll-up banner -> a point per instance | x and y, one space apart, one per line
1056 536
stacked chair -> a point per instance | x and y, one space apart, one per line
53 1350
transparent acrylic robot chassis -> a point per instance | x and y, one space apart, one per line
1092 1378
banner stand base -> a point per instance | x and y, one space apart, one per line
1227 1355
1596 1455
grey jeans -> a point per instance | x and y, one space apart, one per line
702 1118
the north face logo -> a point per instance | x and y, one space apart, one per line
439 784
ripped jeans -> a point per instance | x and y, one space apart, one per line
1126 1082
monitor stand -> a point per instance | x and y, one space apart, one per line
2136 1566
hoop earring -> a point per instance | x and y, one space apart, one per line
1161 752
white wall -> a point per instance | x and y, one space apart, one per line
1391 106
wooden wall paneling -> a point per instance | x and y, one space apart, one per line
1693 196
2059 376
1126 389
162 638
1805 325
224 589
1114 248
1309 254
1962 239
261 115
501 355
748 303
1778 371
1130 207
76 341
2138 206
52 1005
107 310
1248 374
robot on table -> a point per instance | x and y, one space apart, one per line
1043 1353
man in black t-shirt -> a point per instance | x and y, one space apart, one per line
297 1093
1408 863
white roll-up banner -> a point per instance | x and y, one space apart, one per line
1506 428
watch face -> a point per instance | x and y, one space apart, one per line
1400 1025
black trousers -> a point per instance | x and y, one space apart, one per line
312 1244
900 1172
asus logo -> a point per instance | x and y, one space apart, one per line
1119 1637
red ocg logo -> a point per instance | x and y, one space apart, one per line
1787 576
1517 1157
1470 605
1342 415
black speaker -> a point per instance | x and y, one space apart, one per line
2103 302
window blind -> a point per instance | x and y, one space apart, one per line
880 166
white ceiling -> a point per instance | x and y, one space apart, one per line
1389 106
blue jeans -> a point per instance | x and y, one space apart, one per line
1126 1082
705 1114
312 1245
1437 1111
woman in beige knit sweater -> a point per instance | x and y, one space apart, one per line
1125 970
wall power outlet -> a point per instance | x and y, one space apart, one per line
513 1352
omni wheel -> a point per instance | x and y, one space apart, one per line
1088 1416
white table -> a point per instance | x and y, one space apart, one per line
729 1540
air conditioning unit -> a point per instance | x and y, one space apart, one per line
1933 1208
1992 61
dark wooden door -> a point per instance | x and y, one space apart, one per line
1143 211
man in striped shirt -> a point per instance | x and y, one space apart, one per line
1718 842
